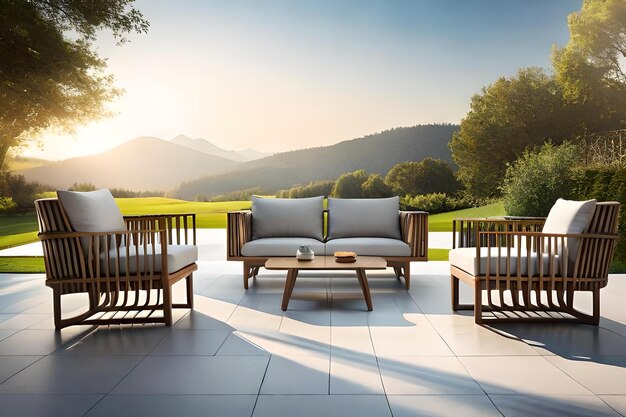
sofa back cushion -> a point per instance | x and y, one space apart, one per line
571 217
366 217
92 211
288 217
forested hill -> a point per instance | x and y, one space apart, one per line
375 153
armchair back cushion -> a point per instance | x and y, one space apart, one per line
571 217
288 217
364 217
92 211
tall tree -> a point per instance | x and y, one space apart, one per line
50 74
591 67
510 115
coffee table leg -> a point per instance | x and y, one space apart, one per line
360 273
292 274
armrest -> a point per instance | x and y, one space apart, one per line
79 257
181 228
465 231
238 232
414 229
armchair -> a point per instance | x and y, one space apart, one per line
531 272
127 274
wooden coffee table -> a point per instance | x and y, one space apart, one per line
292 265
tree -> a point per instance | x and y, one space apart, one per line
375 187
590 67
50 74
424 177
509 116
538 178
349 185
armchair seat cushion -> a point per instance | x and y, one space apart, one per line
465 259
369 246
178 257
281 246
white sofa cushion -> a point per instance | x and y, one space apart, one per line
288 217
92 211
364 217
572 217
369 246
281 246
465 259
178 257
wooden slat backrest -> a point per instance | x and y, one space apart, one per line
594 255
63 258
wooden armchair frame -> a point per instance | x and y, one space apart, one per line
544 294
413 225
99 264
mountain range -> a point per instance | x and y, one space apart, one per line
187 167
144 163
375 153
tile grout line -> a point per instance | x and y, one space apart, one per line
458 360
261 384
129 372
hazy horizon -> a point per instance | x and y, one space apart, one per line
280 75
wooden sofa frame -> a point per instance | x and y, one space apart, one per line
115 297
413 225
547 295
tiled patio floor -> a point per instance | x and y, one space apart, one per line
239 354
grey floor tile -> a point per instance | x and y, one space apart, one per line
602 376
71 375
617 402
174 405
39 342
197 320
322 405
479 341
552 406
46 405
521 375
191 342
442 406
237 344
23 321
354 374
195 375
10 365
296 375
134 341
407 375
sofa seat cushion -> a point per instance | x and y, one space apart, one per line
465 259
178 257
281 246
369 246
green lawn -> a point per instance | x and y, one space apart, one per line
17 230
443 222
208 215
22 264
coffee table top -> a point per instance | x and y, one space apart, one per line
326 262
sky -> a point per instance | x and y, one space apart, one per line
278 75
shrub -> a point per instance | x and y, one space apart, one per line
606 184
349 185
21 192
432 203
538 178
375 187
424 177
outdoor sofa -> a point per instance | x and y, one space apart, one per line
276 227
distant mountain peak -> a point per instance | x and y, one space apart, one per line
203 145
